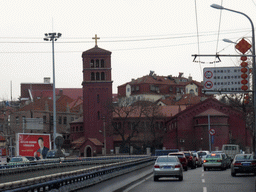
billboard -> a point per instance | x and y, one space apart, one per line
222 79
33 144
34 123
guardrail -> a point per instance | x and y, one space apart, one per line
57 163
76 179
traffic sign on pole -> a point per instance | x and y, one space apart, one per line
212 132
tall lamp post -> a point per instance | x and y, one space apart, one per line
53 37
253 66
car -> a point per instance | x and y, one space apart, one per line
203 154
18 160
243 163
182 158
52 154
198 159
191 159
167 166
215 160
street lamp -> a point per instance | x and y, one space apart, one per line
253 66
53 37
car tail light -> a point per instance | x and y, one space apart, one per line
237 164
205 161
190 158
253 163
219 160
177 166
156 166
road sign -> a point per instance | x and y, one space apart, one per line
208 85
212 132
208 74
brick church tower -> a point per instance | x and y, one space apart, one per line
97 94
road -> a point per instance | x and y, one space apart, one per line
197 180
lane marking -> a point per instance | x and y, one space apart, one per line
203 180
202 174
129 188
204 189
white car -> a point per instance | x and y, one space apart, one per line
168 166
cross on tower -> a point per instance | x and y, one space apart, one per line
96 39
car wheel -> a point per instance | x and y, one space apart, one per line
186 168
155 178
180 178
233 174
205 168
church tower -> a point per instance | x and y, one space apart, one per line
97 94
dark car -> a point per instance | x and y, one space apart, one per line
243 163
191 159
198 159
182 158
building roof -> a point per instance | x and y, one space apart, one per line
96 50
95 141
211 112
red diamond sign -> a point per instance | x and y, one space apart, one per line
243 46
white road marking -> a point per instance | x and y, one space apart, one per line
129 188
204 189
202 174
203 180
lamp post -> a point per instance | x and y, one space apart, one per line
53 37
253 66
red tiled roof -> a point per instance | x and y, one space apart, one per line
96 49
95 141
211 112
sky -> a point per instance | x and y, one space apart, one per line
143 36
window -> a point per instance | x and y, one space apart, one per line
65 120
97 76
72 119
98 98
76 128
51 120
92 76
44 119
102 76
60 119
102 64
97 63
92 63
81 128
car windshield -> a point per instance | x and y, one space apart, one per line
166 159
213 156
244 157
177 155
202 153
16 160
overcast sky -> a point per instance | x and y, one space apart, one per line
142 35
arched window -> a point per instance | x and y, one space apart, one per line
92 63
92 76
102 76
102 64
97 76
97 63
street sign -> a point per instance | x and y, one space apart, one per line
223 79
212 132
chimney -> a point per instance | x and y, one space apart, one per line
47 80
189 78
180 74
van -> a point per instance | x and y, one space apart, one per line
231 150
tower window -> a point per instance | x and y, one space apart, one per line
97 76
102 64
97 63
98 98
92 63
98 115
102 76
92 76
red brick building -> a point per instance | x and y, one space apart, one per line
188 130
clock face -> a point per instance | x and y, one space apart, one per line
59 141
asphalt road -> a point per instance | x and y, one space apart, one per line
197 180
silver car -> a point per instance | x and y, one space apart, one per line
168 166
